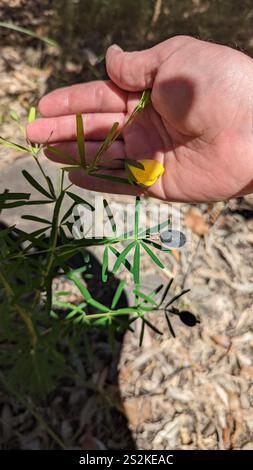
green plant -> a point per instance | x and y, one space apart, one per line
34 320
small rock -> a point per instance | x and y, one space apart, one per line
185 436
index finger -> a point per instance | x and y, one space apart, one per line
98 96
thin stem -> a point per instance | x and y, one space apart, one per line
22 313
69 186
112 313
62 181
144 101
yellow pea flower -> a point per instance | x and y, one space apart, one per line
147 173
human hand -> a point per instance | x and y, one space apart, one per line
199 124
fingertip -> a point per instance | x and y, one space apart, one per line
41 106
114 47
37 131
111 55
45 105
30 131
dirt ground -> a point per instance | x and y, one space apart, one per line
194 391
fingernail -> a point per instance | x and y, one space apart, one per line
116 47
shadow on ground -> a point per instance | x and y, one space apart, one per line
87 412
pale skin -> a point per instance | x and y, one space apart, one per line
199 124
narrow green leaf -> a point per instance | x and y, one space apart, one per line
144 100
152 294
70 168
155 228
80 270
122 256
101 321
10 205
53 237
19 29
14 116
79 200
136 264
152 255
8 144
54 315
130 176
60 293
68 213
118 293
146 297
105 265
105 145
36 219
126 310
62 154
78 319
13 196
79 284
98 305
117 254
39 202
35 184
51 187
80 139
33 237
32 114
65 305
77 309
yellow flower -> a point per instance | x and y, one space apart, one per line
144 172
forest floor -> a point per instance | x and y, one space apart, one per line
194 391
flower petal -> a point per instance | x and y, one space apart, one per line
148 175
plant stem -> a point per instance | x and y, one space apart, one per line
112 313
25 316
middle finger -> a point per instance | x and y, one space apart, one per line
63 128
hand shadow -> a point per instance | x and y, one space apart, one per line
92 405
102 366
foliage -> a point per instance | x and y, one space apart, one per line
38 325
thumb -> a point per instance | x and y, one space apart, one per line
133 71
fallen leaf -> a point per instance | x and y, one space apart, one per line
196 222
138 410
176 254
